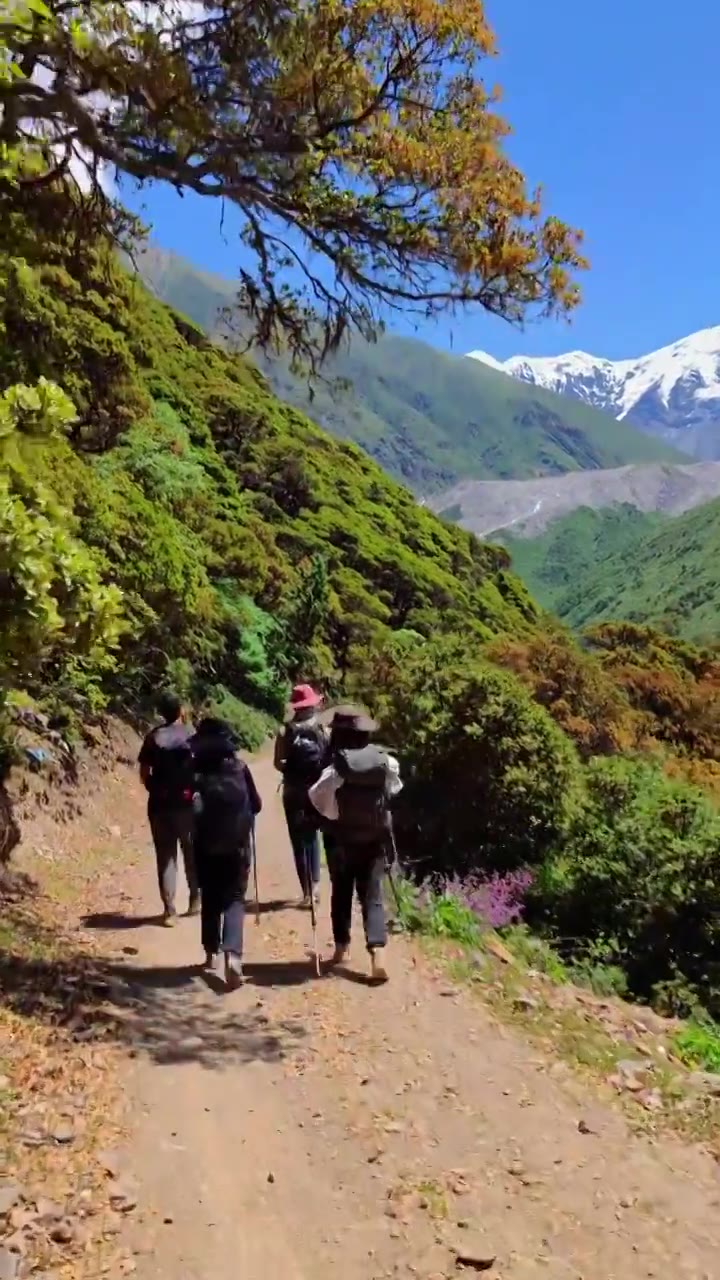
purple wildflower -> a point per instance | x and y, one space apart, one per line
496 901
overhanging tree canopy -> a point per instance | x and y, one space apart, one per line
356 138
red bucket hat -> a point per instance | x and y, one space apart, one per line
303 695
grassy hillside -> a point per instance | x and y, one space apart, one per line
670 576
569 553
247 542
427 417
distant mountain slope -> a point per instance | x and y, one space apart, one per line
622 564
673 393
428 417
529 506
572 549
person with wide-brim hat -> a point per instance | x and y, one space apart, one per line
301 750
353 796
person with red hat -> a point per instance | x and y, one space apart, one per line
301 751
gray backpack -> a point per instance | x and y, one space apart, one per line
363 798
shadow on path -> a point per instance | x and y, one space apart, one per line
115 922
163 1013
280 973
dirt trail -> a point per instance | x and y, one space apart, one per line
311 1129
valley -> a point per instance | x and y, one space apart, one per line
487 506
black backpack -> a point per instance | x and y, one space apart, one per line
306 750
363 798
224 815
172 776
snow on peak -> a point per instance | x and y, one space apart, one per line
618 385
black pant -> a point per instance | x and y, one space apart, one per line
224 882
357 868
304 836
170 828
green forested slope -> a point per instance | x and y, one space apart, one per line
621 563
427 417
670 576
568 554
244 539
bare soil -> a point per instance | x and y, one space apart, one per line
310 1129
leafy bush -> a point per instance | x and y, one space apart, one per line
640 866
536 953
55 612
491 782
250 726
698 1045
574 688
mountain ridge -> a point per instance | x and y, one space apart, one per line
429 418
672 393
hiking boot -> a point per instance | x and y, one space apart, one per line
378 972
234 975
194 905
169 917
211 961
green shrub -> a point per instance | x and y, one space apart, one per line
56 615
535 952
491 782
698 1045
640 866
251 727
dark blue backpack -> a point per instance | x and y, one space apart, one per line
223 812
306 753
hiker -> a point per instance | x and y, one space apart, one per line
225 806
166 771
353 795
301 752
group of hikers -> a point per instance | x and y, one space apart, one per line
337 784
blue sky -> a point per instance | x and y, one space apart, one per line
615 106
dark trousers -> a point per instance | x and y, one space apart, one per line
172 828
304 838
224 881
360 869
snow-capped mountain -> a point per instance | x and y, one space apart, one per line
673 393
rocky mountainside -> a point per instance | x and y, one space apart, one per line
429 418
673 393
529 506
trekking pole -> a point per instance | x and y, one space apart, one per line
389 871
313 913
255 873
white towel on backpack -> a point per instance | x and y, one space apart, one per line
323 793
